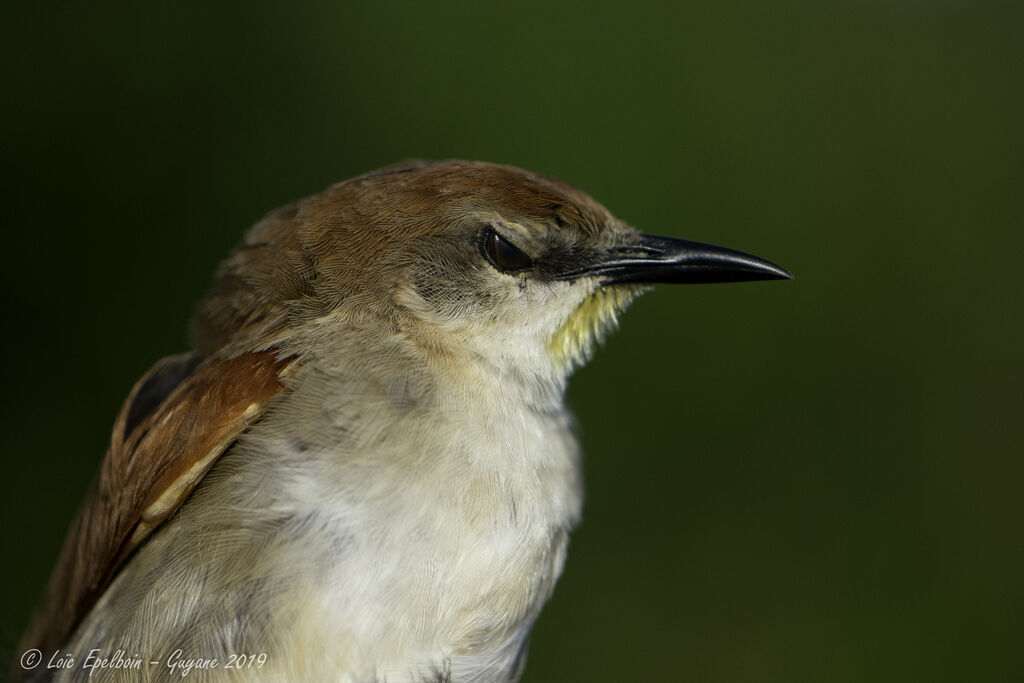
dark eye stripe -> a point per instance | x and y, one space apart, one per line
504 255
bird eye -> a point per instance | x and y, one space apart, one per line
502 254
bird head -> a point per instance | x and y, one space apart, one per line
516 269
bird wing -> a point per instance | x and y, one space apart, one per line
177 421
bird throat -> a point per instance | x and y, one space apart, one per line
574 342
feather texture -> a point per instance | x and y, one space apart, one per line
146 474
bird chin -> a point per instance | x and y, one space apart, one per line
572 345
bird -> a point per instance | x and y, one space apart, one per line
364 469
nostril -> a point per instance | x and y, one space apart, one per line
636 250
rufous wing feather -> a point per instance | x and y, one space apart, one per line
179 418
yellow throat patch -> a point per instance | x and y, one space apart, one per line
574 342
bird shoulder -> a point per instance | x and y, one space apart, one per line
179 418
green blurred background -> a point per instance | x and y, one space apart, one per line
818 480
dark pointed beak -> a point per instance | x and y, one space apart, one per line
666 259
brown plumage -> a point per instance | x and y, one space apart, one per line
146 475
351 239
